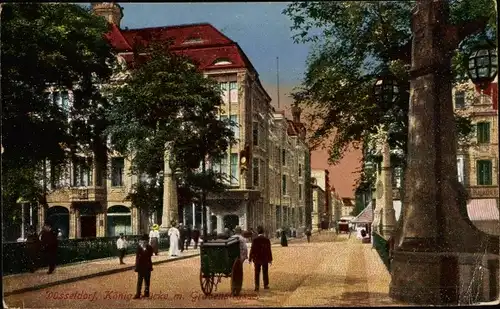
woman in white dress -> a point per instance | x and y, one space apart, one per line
174 235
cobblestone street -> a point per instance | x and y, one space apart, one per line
324 272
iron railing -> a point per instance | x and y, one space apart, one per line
383 248
15 255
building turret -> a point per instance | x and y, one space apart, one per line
111 11
296 111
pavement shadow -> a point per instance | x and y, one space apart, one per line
284 289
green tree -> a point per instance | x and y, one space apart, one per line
354 42
46 45
166 99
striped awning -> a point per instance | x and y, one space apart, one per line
366 216
483 210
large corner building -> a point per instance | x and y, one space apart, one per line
271 190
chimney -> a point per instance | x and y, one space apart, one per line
296 111
111 11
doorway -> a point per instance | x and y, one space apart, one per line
88 226
231 221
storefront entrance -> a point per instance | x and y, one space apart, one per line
88 218
88 226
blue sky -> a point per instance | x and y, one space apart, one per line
259 28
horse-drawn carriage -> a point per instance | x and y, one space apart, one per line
343 226
220 258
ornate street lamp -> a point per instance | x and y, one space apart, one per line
369 167
386 90
483 64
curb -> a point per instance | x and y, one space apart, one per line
102 273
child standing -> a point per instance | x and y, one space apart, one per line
143 266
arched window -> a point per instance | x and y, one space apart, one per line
193 40
222 61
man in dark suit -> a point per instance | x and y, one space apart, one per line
262 257
49 242
196 236
143 266
188 236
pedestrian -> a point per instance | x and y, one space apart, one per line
48 239
174 235
182 236
308 234
196 237
143 266
243 243
262 257
188 236
284 241
32 249
154 238
121 245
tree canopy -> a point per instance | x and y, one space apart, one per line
164 98
43 46
354 43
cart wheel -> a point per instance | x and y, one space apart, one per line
236 277
206 283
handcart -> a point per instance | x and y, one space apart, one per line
220 258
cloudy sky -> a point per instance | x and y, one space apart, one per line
261 30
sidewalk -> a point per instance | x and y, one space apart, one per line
25 282
20 283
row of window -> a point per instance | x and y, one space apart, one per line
235 125
231 169
82 174
484 171
59 98
229 92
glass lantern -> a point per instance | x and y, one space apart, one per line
483 65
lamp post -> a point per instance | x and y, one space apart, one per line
434 241
386 93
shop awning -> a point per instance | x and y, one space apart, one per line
366 216
483 210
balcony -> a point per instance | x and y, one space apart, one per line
483 191
81 194
87 194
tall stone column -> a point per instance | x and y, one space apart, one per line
209 220
23 222
388 213
170 204
435 246
42 210
135 220
220 224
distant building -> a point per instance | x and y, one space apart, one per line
477 159
321 179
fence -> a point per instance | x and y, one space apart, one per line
70 251
382 246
